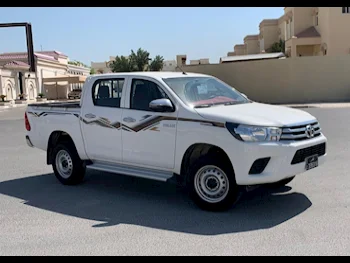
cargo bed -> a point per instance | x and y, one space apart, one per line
69 105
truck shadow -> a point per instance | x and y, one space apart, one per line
113 199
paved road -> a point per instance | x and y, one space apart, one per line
117 215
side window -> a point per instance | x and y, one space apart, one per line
107 92
143 92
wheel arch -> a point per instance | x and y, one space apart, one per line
54 139
196 150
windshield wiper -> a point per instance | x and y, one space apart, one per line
233 103
203 106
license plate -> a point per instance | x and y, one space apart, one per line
311 162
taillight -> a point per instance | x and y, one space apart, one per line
26 121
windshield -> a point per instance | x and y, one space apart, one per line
204 91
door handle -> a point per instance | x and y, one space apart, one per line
129 119
90 116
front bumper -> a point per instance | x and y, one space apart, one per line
279 166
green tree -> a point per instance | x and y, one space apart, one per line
156 63
77 63
122 64
92 71
140 59
277 47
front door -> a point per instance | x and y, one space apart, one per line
101 125
148 136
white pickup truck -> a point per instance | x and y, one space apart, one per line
166 125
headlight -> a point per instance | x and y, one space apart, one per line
249 133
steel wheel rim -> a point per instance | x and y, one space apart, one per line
211 184
64 164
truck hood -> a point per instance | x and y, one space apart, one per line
256 114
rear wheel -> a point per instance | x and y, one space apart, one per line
211 184
68 167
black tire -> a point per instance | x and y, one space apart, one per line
232 193
281 183
77 166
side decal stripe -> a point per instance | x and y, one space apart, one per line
150 123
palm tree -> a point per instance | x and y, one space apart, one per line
156 64
122 64
140 59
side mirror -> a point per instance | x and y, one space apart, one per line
161 105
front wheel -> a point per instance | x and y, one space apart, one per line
68 167
211 184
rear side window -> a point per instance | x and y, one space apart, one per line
107 92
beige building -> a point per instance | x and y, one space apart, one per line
201 61
239 50
251 43
307 31
78 70
269 33
102 67
169 65
317 31
15 76
181 60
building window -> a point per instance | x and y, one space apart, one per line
346 10
316 19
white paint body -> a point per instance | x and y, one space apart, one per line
164 150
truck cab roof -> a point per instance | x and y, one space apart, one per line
152 74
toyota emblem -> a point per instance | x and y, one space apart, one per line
309 131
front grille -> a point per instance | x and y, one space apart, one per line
259 165
301 154
298 133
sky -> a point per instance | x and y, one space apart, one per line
93 34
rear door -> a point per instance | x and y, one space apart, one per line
148 136
101 120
